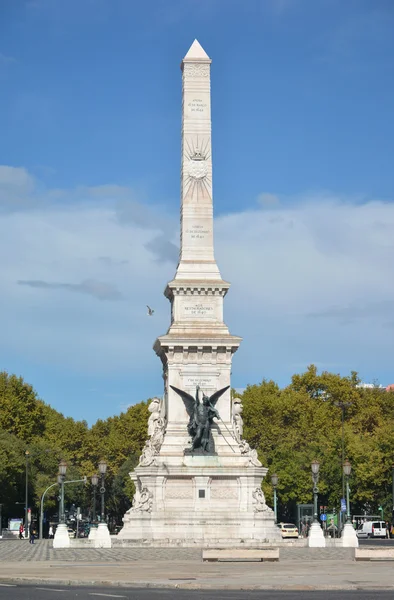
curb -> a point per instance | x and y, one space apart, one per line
187 586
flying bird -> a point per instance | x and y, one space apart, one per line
150 311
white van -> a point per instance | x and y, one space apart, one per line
372 529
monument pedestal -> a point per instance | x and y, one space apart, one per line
102 539
316 537
61 539
205 499
349 536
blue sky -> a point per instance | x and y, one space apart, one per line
303 141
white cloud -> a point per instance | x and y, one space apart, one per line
320 257
268 200
291 262
16 187
91 287
7 60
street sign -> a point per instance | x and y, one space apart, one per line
343 505
323 517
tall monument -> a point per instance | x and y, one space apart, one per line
198 481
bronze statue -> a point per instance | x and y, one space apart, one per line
201 415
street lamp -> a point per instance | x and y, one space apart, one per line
102 468
60 479
315 478
27 454
347 468
274 481
392 475
94 484
343 406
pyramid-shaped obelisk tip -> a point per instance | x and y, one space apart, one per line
196 53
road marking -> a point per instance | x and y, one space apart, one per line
8 584
47 589
106 595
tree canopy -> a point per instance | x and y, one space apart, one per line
289 427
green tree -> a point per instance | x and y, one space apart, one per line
20 411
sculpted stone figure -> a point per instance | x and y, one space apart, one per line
259 500
156 431
252 454
201 415
238 428
142 501
238 423
154 409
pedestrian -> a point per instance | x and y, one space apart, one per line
50 532
303 530
32 534
21 531
387 529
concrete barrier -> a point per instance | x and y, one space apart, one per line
374 554
240 554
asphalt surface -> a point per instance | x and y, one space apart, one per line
378 542
132 572
83 593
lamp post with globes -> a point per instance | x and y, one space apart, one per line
60 479
103 469
315 538
274 481
27 454
102 538
94 484
61 539
347 469
315 478
392 478
349 536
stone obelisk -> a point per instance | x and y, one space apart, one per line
198 347
185 496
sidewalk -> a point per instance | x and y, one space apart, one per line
298 569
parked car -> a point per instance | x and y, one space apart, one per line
288 530
71 532
372 529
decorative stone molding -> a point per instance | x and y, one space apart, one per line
193 70
177 289
179 488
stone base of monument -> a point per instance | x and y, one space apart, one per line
349 537
61 539
316 537
102 538
92 533
199 506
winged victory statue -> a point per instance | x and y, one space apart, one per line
201 415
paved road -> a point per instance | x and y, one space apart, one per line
42 550
101 593
377 542
327 570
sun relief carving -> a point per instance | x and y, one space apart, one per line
196 156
